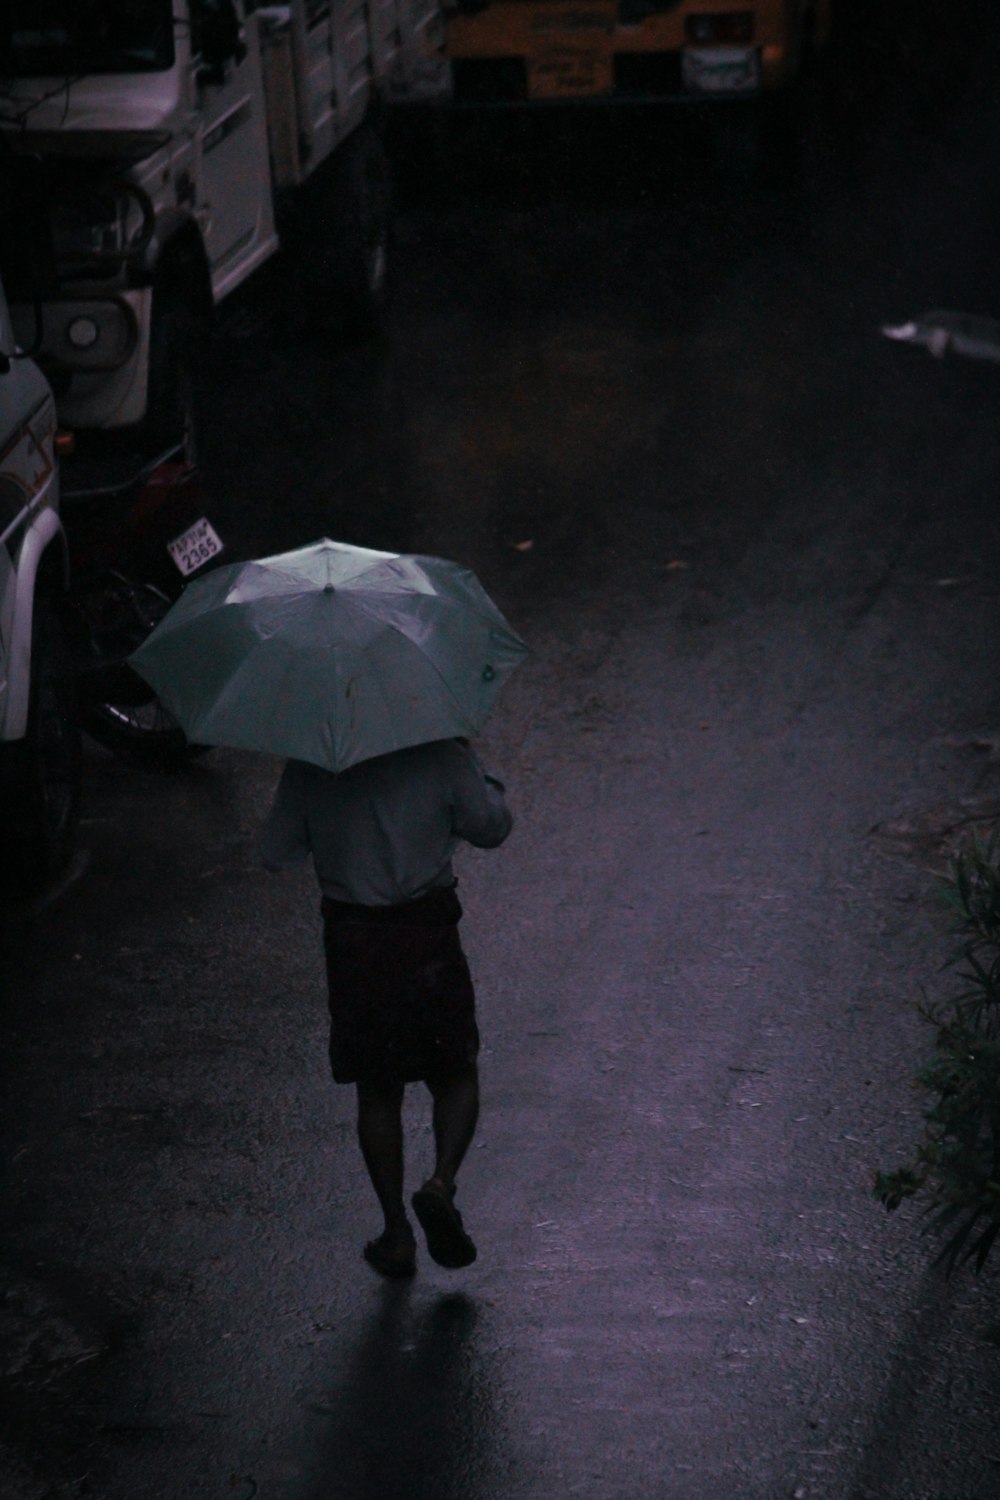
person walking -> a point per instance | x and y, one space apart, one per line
382 835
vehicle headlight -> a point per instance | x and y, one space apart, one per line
97 228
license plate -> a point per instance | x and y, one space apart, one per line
720 70
195 547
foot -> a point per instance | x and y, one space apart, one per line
447 1241
392 1255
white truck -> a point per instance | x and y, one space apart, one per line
172 139
39 727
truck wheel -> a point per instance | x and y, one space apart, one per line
40 775
363 229
171 422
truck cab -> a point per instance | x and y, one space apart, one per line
145 123
169 137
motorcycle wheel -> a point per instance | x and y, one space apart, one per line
40 774
127 718
145 733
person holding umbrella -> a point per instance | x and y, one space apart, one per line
402 1006
368 671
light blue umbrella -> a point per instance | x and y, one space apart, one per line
330 654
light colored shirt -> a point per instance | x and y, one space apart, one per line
385 830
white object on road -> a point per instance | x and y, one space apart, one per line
955 332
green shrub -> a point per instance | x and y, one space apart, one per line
956 1164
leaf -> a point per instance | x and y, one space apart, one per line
956 1159
949 1255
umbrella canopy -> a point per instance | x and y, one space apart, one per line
330 654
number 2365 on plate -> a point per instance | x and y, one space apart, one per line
195 547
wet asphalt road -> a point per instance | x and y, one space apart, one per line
755 549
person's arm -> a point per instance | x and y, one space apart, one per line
480 814
283 842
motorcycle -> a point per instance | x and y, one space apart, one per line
134 547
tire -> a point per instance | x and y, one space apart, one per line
340 239
118 709
364 228
40 775
172 406
142 732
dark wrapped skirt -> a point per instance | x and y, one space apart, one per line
402 1005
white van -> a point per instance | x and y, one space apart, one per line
39 733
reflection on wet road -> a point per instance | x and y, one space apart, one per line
415 1413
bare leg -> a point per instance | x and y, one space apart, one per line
456 1110
380 1135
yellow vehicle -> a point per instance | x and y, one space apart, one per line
527 51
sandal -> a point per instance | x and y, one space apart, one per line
447 1241
387 1259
